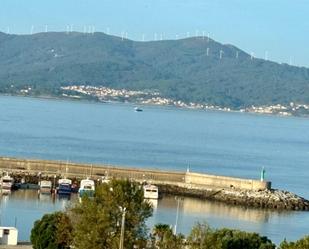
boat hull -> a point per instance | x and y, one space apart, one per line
64 190
86 192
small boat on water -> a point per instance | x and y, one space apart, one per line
151 191
7 183
138 109
64 186
87 188
45 187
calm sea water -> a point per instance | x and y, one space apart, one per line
235 144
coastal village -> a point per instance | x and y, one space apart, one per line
105 94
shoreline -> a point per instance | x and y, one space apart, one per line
84 100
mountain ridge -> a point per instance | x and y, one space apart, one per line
191 69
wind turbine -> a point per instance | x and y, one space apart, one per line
196 33
266 56
161 37
221 54
252 55
208 37
8 30
207 51
143 37
68 29
31 31
46 28
122 35
89 29
71 28
237 54
203 35
107 30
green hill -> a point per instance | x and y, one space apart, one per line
179 69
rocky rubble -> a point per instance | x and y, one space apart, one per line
272 199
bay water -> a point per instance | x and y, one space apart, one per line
223 143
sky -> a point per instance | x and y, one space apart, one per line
278 29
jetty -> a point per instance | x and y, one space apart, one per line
231 190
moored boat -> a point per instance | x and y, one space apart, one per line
64 186
138 109
87 188
45 187
151 191
7 183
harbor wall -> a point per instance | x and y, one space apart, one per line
184 179
225 182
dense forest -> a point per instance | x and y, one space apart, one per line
195 69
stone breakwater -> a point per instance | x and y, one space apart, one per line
230 190
269 198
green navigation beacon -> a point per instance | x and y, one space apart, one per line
263 174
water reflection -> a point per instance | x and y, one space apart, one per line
276 225
154 204
25 206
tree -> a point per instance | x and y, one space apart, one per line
202 237
198 236
53 231
97 221
165 239
299 244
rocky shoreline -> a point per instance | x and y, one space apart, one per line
269 199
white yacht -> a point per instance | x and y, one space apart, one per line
45 187
7 183
138 109
151 192
87 187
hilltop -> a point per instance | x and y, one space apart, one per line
189 70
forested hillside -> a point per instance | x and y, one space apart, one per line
192 70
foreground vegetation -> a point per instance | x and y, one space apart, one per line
97 222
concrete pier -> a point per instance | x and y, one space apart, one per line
230 190
77 170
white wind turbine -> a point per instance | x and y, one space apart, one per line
266 56
252 55
221 54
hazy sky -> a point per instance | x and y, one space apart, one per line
280 27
